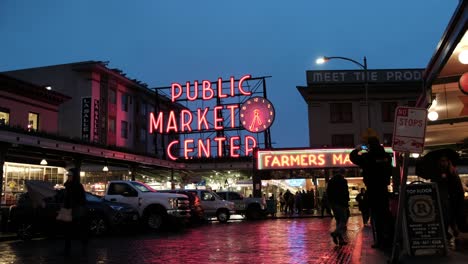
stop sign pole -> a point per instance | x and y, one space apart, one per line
409 133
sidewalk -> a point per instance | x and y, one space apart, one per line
364 253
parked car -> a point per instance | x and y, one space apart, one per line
252 208
212 204
27 220
197 213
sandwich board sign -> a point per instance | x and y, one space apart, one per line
409 129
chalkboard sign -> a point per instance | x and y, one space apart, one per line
424 220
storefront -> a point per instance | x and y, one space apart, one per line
446 91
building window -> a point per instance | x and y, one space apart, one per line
143 109
4 116
143 134
341 112
33 121
387 140
112 125
344 140
125 102
388 111
124 129
112 96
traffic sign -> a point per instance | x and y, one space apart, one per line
409 129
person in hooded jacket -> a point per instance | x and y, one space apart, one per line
75 199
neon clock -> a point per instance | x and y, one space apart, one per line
257 114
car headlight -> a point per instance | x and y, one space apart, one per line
117 207
173 203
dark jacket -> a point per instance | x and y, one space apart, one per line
337 191
376 167
74 195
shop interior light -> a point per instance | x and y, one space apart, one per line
43 162
433 115
415 155
463 55
48 88
105 168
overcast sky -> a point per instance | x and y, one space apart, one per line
160 42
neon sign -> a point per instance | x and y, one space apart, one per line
305 158
209 119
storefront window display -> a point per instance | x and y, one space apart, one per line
16 174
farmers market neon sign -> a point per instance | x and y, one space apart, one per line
305 158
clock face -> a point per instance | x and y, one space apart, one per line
257 114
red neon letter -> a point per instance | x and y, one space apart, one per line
187 123
155 125
202 118
195 91
171 122
186 148
205 148
220 141
218 121
233 114
234 147
232 86
169 149
240 85
248 149
175 94
220 89
206 89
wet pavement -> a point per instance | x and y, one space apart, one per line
294 240
303 240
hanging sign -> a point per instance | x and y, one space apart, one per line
409 129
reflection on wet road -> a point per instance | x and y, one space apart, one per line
304 240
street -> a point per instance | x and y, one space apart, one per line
299 240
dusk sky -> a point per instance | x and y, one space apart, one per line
160 42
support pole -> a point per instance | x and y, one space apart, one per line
398 236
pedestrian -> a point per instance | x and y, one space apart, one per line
75 199
325 205
363 205
298 202
281 202
451 195
376 167
338 197
286 196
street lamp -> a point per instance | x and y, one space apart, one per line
324 59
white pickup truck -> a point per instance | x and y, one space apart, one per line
156 209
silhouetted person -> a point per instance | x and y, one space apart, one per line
338 197
376 167
451 194
363 204
325 205
75 199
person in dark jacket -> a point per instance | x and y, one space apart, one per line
363 204
451 195
75 199
338 197
376 167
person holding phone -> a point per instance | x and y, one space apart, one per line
376 167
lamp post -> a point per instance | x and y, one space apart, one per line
363 66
